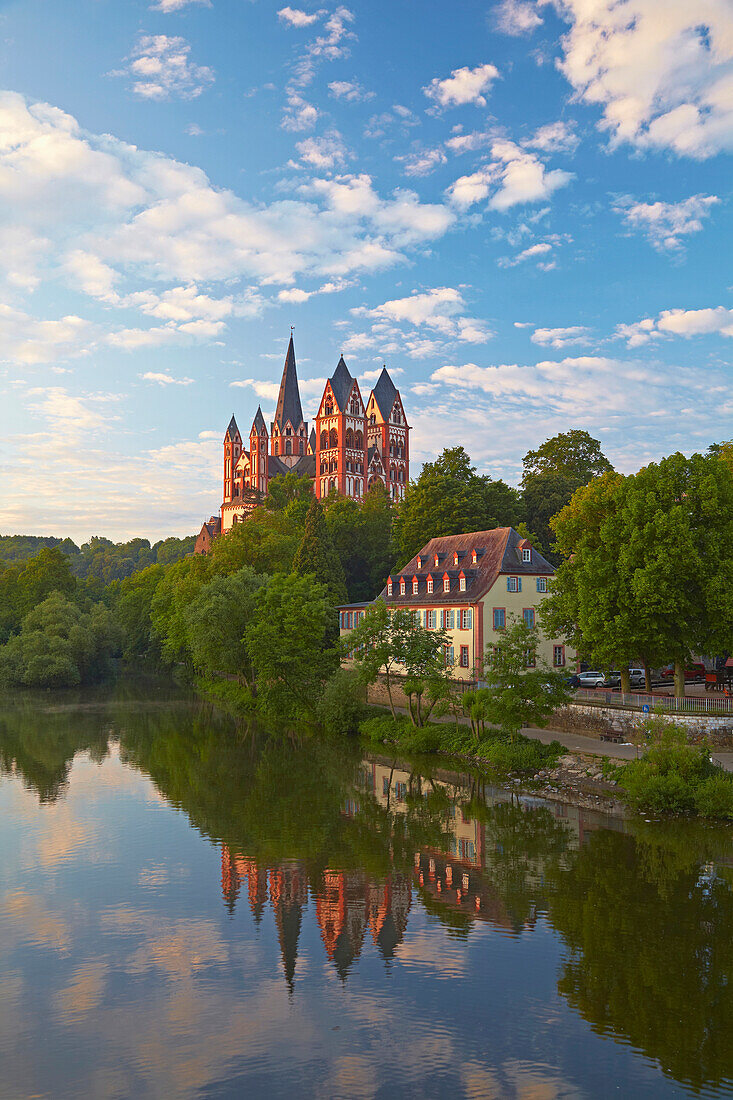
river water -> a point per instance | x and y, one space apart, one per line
194 909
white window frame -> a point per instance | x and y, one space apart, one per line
414 586
527 553
462 584
430 585
446 584
403 587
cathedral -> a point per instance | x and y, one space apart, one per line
352 446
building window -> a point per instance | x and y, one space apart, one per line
529 659
403 586
448 656
430 584
513 584
464 618
527 554
499 618
529 617
401 791
455 559
430 619
385 786
462 584
558 656
414 586
474 557
419 562
542 584
464 656
389 587
446 584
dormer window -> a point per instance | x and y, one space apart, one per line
419 562
455 559
446 584
527 554
389 587
403 586
430 584
414 586
474 557
462 583
436 561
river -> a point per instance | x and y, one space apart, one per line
190 908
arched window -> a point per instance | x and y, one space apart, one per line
333 483
372 419
333 438
288 447
300 447
414 586
324 440
288 430
358 441
328 407
324 467
349 438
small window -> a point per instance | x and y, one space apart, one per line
558 656
419 562
446 584
464 656
455 559
529 617
499 618
542 584
385 786
403 587
462 584
474 557
430 620
430 585
389 588
436 561
414 586
513 584
527 553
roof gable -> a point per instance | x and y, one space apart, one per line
384 394
341 384
232 431
288 400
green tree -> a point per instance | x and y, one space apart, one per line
522 688
48 572
284 639
180 585
375 644
266 542
317 557
133 604
450 498
216 621
424 656
551 475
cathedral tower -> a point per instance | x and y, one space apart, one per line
289 430
232 451
341 455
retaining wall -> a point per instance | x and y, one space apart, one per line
594 720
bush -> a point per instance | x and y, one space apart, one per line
383 727
714 797
658 793
342 705
231 694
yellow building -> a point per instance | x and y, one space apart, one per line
472 586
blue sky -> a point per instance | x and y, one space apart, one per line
523 208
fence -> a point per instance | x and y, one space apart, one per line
691 704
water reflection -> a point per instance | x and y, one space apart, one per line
445 909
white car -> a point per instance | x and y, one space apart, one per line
591 679
637 677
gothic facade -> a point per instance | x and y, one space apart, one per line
353 445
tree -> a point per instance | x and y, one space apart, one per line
284 640
180 585
217 620
522 688
362 537
266 542
48 572
427 669
375 644
575 454
317 557
552 474
450 498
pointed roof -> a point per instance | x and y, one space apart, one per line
341 383
259 421
385 393
232 431
288 401
312 440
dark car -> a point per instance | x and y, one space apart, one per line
572 681
695 672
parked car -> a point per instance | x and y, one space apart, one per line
572 681
637 677
591 679
695 672
612 679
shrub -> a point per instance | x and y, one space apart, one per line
383 727
714 797
657 793
424 739
342 703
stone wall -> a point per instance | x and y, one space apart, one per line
595 720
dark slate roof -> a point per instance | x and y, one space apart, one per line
306 464
275 466
259 421
385 393
232 431
313 441
288 401
341 383
501 554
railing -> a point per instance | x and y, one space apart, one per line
691 704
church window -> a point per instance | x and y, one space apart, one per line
300 447
288 430
349 438
358 441
288 447
324 440
372 419
333 438
328 407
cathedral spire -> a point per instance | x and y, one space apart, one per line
288 402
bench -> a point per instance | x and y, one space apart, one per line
616 738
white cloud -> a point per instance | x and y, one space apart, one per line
467 143
514 176
167 380
30 340
373 375
350 90
299 114
664 223
717 320
560 337
554 137
517 17
422 163
323 153
295 17
463 86
160 67
539 249
399 325
175 5
661 72
398 117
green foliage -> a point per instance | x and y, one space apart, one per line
59 646
19 548
674 777
362 537
450 498
316 556
342 707
24 585
521 688
714 798
231 695
216 621
266 542
285 642
178 588
133 612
